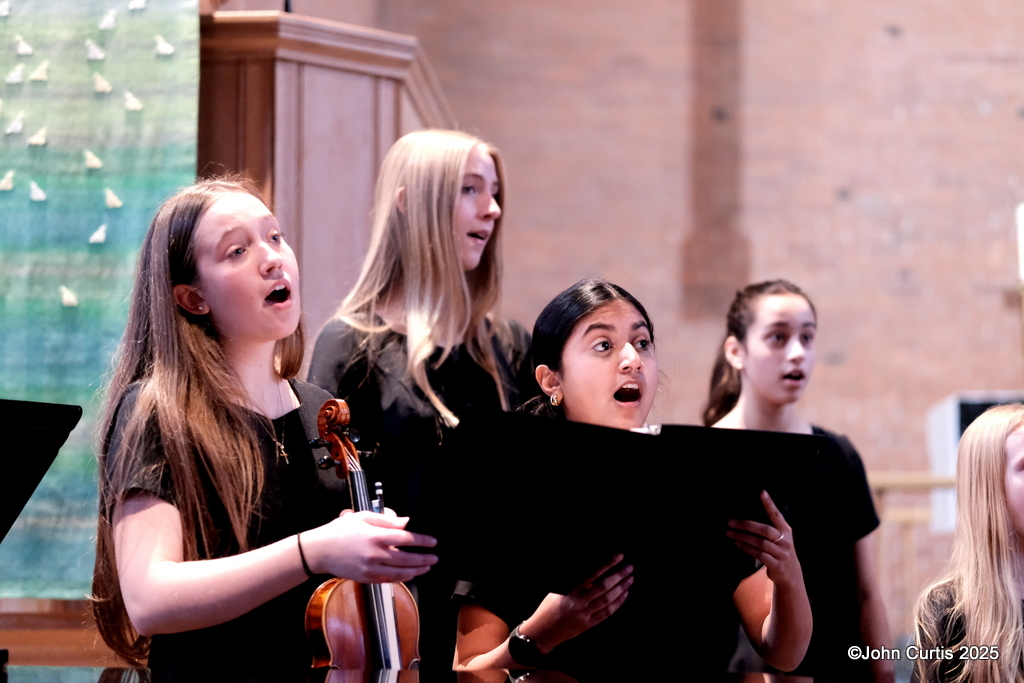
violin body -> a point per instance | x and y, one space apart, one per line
340 634
352 625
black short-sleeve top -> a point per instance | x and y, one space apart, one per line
392 414
830 569
296 496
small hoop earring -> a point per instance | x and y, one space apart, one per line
555 400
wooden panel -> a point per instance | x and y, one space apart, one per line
409 119
236 100
259 35
257 123
57 647
425 92
288 131
387 117
48 632
38 613
280 36
217 143
337 171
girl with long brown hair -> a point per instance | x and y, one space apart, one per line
969 625
215 526
762 369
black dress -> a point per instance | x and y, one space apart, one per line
392 414
296 497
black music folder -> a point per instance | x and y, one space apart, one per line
33 433
513 484
523 506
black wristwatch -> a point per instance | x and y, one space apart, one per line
523 649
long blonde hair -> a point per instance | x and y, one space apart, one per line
190 396
980 591
412 251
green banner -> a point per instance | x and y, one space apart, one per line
98 113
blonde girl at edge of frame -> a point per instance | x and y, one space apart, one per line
969 625
596 363
200 420
762 370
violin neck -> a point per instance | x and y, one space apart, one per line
360 493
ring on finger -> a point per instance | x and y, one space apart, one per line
779 539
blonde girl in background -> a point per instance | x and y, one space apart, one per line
969 625
419 340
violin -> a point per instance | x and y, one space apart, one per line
352 625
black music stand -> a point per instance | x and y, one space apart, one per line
33 433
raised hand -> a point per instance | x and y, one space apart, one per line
562 617
772 545
773 602
362 546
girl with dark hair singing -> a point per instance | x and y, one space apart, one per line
214 523
596 363
762 369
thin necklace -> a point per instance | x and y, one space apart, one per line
281 452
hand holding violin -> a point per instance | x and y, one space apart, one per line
363 546
562 617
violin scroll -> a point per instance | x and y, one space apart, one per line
332 423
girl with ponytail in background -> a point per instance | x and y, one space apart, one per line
762 370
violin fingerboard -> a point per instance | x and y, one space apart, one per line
360 493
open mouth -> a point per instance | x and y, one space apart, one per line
628 393
796 375
482 236
280 294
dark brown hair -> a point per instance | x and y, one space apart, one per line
556 322
189 395
725 379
